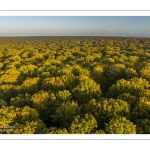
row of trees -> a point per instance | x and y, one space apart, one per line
79 85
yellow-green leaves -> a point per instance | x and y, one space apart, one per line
83 125
65 113
86 85
86 90
133 86
20 121
120 125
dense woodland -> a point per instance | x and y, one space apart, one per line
74 85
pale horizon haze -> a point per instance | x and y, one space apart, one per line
138 26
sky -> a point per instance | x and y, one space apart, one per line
75 26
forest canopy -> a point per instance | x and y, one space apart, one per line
74 85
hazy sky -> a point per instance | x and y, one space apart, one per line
75 25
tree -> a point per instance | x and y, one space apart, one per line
11 76
120 125
55 130
103 110
86 90
113 73
93 107
130 99
1 65
141 111
110 60
113 108
20 121
44 102
28 70
21 100
143 126
98 73
134 86
58 83
60 78
30 85
77 70
6 92
65 113
83 125
145 72
133 60
63 96
2 103
130 73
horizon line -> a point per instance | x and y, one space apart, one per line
75 36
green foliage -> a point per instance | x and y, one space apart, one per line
20 100
98 72
131 100
86 90
112 108
141 111
6 91
114 72
145 72
133 86
110 60
2 103
83 125
11 76
63 95
130 73
28 70
55 130
93 107
143 126
99 132
77 70
1 65
42 101
58 83
49 81
30 85
120 125
20 121
65 113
